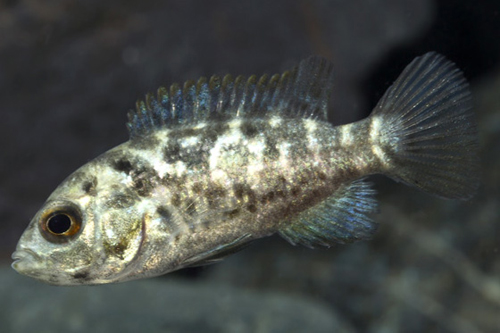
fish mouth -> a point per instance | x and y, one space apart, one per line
23 259
29 263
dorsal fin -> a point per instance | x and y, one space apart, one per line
300 92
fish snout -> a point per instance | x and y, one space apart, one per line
24 259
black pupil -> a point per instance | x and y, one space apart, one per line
59 224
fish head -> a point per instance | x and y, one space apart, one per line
76 238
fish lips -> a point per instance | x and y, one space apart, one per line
25 261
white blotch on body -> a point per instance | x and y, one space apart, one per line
200 125
346 138
274 121
155 158
312 141
110 233
232 137
146 205
190 141
256 147
377 150
284 149
180 168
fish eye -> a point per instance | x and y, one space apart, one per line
60 224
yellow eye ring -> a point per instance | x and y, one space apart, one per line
61 223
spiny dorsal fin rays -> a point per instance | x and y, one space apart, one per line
300 92
313 86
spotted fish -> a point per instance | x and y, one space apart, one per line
216 163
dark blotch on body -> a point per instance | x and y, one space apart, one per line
190 207
176 200
249 129
268 197
164 212
281 189
167 218
118 201
233 213
122 165
251 208
271 151
321 175
214 194
184 133
81 275
116 250
145 181
245 192
89 186
311 199
212 132
171 152
119 249
143 187
295 191
192 156
197 188
239 190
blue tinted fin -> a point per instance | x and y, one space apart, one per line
300 92
343 217
428 129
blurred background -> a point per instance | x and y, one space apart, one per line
70 70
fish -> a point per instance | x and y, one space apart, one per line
213 164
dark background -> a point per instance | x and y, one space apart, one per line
69 71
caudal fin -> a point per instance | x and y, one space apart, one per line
427 128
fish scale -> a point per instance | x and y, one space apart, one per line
216 163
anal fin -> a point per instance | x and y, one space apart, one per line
344 217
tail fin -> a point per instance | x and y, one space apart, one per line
427 128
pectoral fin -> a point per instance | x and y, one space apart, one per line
220 252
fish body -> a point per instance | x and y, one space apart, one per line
217 163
